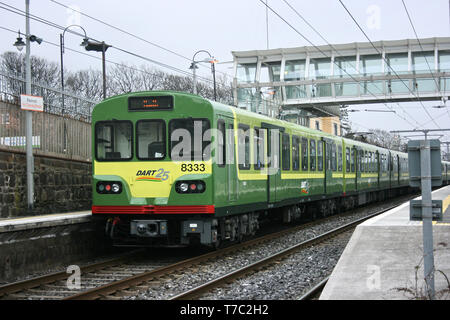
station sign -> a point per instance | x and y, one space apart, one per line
31 103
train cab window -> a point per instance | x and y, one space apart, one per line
312 155
319 155
221 146
339 158
347 159
190 139
151 139
304 154
295 153
285 149
244 147
333 157
258 143
113 140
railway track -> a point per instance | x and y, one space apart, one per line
265 262
122 277
54 286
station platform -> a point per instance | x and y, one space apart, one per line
384 258
43 221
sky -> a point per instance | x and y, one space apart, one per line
174 30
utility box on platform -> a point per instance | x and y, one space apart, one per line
414 162
415 210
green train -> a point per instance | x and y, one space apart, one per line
172 168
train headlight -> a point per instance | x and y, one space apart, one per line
195 186
183 187
109 187
115 187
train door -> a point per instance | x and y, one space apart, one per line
328 173
231 165
355 165
378 166
273 161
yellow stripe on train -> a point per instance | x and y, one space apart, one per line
151 179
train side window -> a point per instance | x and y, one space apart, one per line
361 161
285 145
295 153
304 154
312 154
258 139
244 147
333 156
347 159
319 155
221 143
365 162
370 161
353 159
339 158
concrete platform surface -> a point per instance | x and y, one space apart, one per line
384 258
42 221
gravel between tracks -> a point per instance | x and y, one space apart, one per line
316 262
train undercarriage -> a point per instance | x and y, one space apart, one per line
189 230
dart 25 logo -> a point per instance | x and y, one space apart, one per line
157 175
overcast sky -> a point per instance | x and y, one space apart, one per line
184 27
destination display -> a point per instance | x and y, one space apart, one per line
150 103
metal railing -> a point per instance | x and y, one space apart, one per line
56 132
75 107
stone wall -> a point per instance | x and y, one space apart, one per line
59 185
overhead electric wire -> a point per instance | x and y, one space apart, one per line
353 65
131 34
54 25
324 54
420 44
87 54
387 63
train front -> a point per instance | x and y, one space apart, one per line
152 169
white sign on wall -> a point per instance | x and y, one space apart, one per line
31 103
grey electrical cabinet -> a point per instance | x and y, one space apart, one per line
414 162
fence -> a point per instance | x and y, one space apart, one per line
58 132
75 107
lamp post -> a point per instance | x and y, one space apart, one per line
61 42
193 66
99 47
19 44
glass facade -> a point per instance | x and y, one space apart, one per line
382 73
320 69
423 62
270 72
246 72
294 70
343 68
397 64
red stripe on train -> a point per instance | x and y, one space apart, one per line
150 209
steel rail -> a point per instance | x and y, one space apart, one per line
18 286
227 278
113 287
310 294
